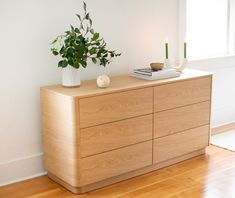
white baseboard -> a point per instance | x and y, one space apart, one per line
21 169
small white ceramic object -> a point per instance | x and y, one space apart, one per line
71 77
103 81
182 66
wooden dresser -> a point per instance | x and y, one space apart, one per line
94 137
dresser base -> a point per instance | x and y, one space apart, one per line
100 184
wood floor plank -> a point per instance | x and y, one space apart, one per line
208 176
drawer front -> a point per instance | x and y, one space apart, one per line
117 162
181 93
180 119
114 135
114 107
178 144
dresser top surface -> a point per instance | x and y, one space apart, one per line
121 83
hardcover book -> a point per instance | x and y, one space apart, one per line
149 74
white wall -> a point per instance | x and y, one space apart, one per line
135 28
223 94
223 68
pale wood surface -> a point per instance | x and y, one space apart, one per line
181 158
223 128
180 119
116 162
116 106
114 135
60 136
207 176
182 93
128 175
171 146
92 118
121 83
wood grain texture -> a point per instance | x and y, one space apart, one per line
207 176
131 174
95 135
116 162
180 119
181 93
60 136
180 158
122 83
172 146
114 135
114 107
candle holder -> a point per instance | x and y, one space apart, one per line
167 63
181 65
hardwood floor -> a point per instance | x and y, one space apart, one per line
208 176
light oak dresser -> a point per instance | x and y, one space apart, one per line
94 137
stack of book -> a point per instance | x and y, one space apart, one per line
149 74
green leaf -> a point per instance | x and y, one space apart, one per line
87 16
92 31
62 50
54 41
83 63
92 51
94 60
55 53
76 64
79 17
97 43
77 30
73 34
70 51
60 63
63 63
84 5
70 61
95 36
72 28
98 54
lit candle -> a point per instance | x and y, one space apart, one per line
166 47
185 49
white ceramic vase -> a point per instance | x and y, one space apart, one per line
71 77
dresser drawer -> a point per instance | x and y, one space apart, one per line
178 144
116 162
114 135
181 93
180 119
113 107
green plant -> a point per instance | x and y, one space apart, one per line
81 43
